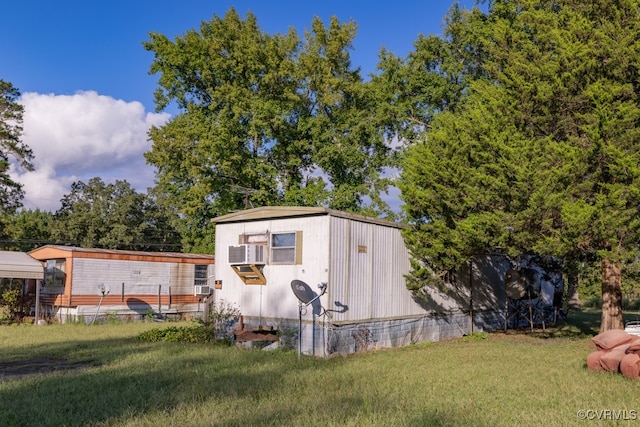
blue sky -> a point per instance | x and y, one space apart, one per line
83 72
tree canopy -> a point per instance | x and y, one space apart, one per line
113 216
27 229
11 146
540 153
264 120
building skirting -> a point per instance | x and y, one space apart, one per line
323 339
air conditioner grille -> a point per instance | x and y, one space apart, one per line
246 254
203 290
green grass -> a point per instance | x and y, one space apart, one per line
524 379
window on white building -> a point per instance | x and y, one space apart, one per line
286 248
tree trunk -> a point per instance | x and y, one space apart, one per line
611 296
572 298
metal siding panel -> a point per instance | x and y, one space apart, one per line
384 288
361 285
351 270
339 264
370 284
182 278
391 261
139 277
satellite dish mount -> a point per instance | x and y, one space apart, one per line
306 296
103 290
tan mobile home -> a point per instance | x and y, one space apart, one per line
82 282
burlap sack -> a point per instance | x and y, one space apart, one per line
611 339
593 360
630 366
610 360
634 344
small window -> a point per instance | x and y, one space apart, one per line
255 239
285 248
200 275
54 273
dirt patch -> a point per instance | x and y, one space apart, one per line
18 368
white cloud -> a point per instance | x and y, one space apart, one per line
78 137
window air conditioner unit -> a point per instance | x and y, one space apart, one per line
247 254
202 290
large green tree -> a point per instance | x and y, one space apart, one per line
541 153
11 147
28 229
264 120
112 216
433 78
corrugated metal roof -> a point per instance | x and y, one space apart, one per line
271 212
19 265
125 252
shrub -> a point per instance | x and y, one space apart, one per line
221 318
190 334
5 313
12 301
288 337
475 336
113 318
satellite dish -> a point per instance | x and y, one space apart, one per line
103 289
302 291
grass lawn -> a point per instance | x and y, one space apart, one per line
106 377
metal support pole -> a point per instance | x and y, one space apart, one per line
471 296
98 309
299 329
38 285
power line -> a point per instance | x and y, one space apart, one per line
93 244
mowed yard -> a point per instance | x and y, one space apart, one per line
105 376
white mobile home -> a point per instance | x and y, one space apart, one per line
363 261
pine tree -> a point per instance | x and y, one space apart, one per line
11 147
541 154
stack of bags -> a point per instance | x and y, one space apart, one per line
616 351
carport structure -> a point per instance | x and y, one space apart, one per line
19 265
